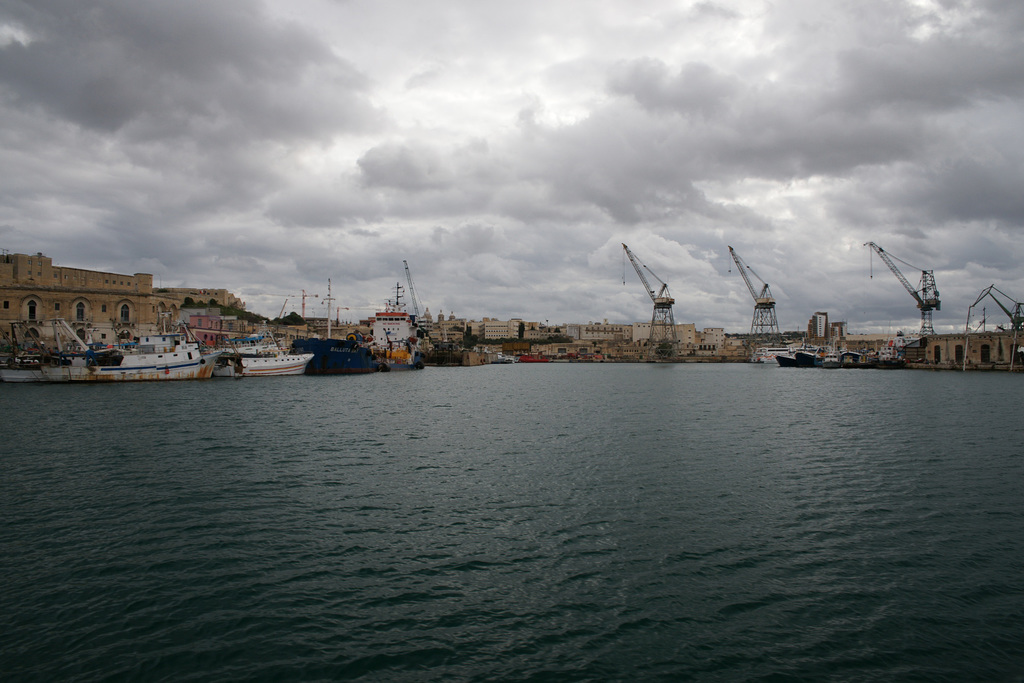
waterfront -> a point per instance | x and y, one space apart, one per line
541 522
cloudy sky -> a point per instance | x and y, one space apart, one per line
506 150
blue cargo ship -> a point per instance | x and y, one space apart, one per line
337 356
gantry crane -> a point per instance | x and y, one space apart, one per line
412 292
764 326
1015 314
663 341
927 296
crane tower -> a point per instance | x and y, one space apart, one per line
412 292
764 325
1011 309
663 341
926 296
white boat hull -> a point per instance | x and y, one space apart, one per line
21 375
141 368
268 366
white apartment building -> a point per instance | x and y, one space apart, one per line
600 332
686 333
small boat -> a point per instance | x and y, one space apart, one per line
261 355
892 355
831 360
768 354
24 364
533 359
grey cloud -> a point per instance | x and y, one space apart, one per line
406 167
695 89
209 71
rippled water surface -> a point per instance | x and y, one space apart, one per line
536 522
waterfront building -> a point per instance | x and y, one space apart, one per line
600 332
686 333
102 306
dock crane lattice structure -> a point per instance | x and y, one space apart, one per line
664 341
926 295
765 325
1012 309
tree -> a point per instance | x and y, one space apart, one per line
292 318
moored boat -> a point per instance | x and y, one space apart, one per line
156 357
261 356
768 354
349 356
831 360
396 337
25 359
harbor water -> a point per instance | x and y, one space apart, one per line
547 522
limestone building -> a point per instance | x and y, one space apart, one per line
104 306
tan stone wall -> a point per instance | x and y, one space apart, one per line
112 305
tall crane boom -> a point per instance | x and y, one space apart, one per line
640 268
412 292
663 340
1015 314
764 322
926 296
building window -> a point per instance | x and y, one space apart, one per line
7 304
56 306
125 313
986 353
959 353
80 312
31 310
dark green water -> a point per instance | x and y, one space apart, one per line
556 522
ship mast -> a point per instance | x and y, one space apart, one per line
329 301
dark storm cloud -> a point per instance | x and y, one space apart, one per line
405 167
212 72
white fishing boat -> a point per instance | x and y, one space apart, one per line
156 357
20 370
767 354
831 359
23 365
260 356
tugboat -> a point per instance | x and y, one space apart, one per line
396 337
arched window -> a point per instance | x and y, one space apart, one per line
125 313
31 310
959 353
80 312
986 353
938 353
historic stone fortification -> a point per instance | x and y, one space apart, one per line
112 306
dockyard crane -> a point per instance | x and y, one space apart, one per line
412 292
926 296
764 325
663 340
1014 311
